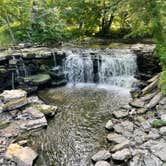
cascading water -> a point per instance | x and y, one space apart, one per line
114 67
79 68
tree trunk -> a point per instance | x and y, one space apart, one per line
10 30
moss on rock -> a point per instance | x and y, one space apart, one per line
4 124
38 79
158 123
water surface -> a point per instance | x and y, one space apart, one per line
77 132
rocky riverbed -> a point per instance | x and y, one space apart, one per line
137 131
20 116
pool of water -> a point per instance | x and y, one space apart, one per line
77 131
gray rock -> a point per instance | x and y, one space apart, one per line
144 158
33 124
102 163
125 128
153 134
116 138
139 136
163 131
109 125
13 99
150 87
155 100
163 101
163 117
101 155
120 114
158 148
156 77
23 156
141 110
31 113
120 146
47 110
148 97
137 103
122 155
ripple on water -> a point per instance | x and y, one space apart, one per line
77 132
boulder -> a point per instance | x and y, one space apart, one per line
31 113
109 125
148 97
157 147
116 138
156 77
150 87
13 99
33 124
137 103
163 131
102 163
47 110
31 118
122 155
153 134
23 156
120 114
120 146
155 100
141 110
101 155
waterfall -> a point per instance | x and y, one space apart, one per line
79 68
114 67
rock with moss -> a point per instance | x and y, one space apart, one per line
158 123
4 124
38 79
47 110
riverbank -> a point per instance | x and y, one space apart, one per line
137 130
21 115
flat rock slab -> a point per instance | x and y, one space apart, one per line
32 113
13 99
101 155
33 124
120 114
122 155
102 163
23 156
47 110
158 148
120 146
155 100
137 103
116 138
126 126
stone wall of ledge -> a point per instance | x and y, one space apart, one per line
147 61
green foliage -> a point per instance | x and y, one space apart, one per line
158 123
51 21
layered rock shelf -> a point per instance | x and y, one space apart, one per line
19 115
137 132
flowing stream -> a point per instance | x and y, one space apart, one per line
99 83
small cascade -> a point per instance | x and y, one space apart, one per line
79 68
115 67
23 67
